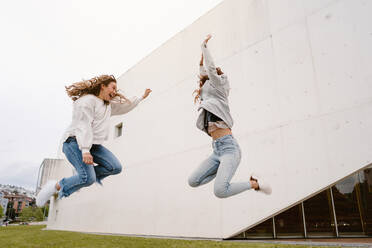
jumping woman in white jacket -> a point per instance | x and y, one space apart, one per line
215 120
95 100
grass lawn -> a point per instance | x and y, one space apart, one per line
34 236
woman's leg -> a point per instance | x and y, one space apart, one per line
230 156
205 172
107 163
85 173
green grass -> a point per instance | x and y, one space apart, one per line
34 236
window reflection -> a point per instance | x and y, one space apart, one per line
319 216
346 206
366 200
290 223
263 230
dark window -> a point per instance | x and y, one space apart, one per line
263 230
319 215
366 200
290 223
19 206
345 195
352 200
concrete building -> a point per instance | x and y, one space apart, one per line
50 169
301 98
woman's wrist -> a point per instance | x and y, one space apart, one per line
85 150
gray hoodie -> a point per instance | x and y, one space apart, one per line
214 93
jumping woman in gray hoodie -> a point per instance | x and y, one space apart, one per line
215 120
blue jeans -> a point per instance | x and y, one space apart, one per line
221 165
107 164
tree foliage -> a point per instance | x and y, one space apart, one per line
31 214
45 210
1 212
10 212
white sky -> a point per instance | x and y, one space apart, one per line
47 44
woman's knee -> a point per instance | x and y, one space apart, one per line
116 168
221 191
91 180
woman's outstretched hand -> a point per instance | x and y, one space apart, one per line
147 93
209 36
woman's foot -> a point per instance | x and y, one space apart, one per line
46 192
260 185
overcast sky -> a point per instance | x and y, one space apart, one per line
48 44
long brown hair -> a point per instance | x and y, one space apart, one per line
92 86
197 92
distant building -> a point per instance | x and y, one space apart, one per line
19 202
3 202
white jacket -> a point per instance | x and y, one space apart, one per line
90 119
214 93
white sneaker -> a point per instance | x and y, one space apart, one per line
48 190
263 186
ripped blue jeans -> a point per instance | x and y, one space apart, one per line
107 164
221 165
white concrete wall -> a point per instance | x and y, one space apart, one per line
301 99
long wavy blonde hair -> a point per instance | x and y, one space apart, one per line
93 86
197 92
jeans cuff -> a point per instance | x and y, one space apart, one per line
99 181
61 194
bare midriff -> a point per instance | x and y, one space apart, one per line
220 132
